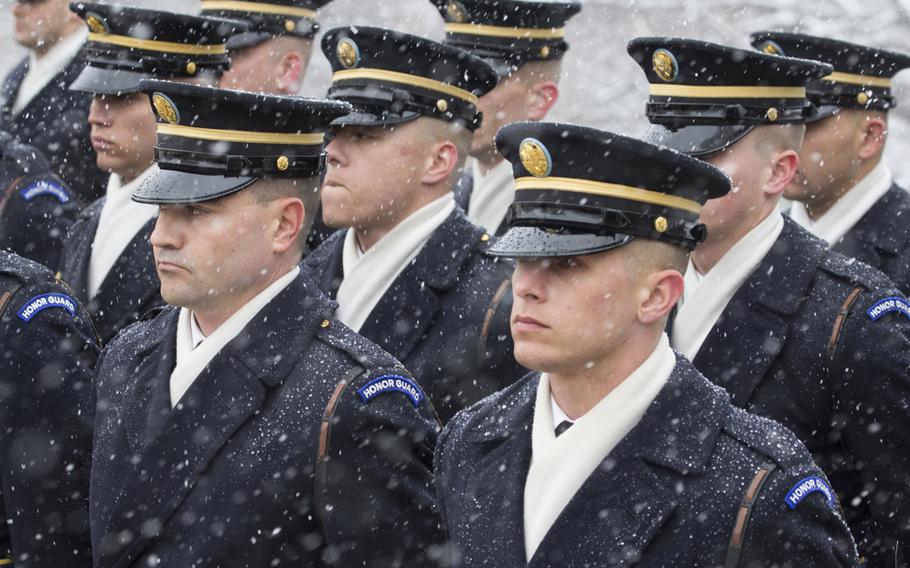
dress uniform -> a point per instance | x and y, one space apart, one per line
507 34
298 442
125 46
47 350
691 480
446 320
37 207
869 222
51 117
809 338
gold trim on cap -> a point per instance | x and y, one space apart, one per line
243 136
854 79
608 190
155 45
727 92
503 31
406 79
260 7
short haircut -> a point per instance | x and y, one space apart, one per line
770 139
305 189
534 72
647 256
436 130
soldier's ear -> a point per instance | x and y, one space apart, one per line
664 288
874 133
288 223
783 168
541 98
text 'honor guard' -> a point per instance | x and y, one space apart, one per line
617 451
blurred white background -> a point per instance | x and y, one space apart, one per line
602 87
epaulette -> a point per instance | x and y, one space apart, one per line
360 349
855 272
764 436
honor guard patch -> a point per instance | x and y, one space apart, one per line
391 383
888 305
46 301
807 486
44 187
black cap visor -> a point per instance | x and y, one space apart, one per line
171 186
698 140
106 81
539 242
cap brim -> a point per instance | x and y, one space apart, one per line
698 140
170 186
358 118
101 81
535 242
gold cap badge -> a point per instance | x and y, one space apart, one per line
348 53
166 108
456 13
535 157
96 23
665 65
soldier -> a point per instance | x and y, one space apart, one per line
616 451
46 408
845 193
36 206
273 55
247 427
525 43
107 257
36 105
793 331
411 272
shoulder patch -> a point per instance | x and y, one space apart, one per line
45 187
807 486
43 302
888 305
391 383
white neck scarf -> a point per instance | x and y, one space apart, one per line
193 356
560 466
120 220
706 296
849 209
42 71
367 275
491 196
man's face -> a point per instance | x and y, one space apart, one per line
828 159
38 22
571 314
212 253
748 169
123 133
372 174
505 104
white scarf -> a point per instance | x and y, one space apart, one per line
42 71
367 275
706 296
194 354
849 209
120 220
560 466
491 196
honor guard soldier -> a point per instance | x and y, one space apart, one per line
36 105
844 192
411 272
107 257
243 425
273 55
47 351
525 43
37 207
616 451
793 331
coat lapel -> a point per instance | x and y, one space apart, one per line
754 328
78 249
404 314
882 233
225 396
632 495
11 88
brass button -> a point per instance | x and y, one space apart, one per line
484 237
862 98
545 51
191 67
324 324
290 25
661 224
772 114
442 105
282 163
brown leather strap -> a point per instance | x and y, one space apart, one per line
8 287
501 292
734 551
842 319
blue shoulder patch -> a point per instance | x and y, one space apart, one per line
807 486
888 305
45 187
45 301
391 383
